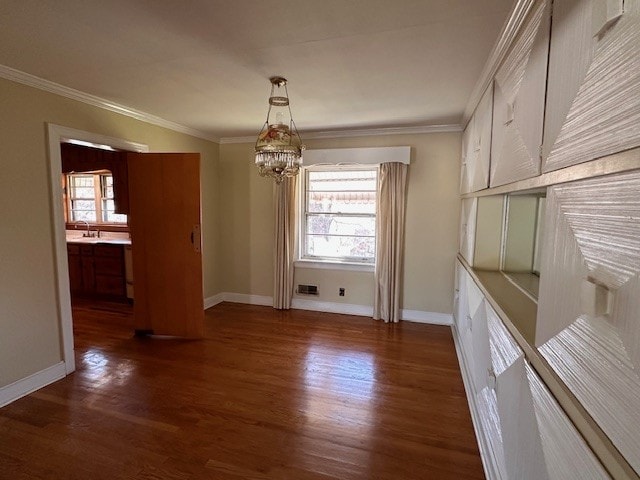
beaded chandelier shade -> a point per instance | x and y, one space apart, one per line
279 146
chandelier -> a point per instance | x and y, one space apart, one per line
279 146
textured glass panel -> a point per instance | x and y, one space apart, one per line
81 186
111 217
83 204
331 246
82 192
107 186
84 215
337 225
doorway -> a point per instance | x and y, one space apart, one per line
56 135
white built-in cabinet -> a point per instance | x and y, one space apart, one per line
593 97
522 425
468 228
588 325
518 102
476 146
560 124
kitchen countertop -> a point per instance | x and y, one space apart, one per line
106 239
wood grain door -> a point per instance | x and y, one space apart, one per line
164 191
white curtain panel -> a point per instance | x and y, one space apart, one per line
392 186
285 241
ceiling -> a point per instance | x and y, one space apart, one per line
205 64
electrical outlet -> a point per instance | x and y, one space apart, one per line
341 292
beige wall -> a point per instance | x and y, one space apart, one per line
29 323
433 206
237 220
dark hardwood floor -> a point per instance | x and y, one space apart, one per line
267 395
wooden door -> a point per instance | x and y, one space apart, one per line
164 190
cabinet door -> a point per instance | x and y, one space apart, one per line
593 96
468 228
566 455
75 272
88 272
110 285
476 146
467 146
587 325
518 103
470 307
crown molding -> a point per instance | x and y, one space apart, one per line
363 132
508 34
24 78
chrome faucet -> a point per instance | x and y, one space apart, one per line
88 234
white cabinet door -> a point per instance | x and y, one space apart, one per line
468 228
470 311
476 146
588 326
593 94
518 103
566 455
465 167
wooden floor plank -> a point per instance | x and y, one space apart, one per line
266 395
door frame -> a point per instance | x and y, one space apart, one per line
57 134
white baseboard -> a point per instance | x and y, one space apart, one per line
331 307
238 298
417 316
25 386
488 460
213 300
433 318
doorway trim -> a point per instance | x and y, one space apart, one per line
57 134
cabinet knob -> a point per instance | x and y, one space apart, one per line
491 378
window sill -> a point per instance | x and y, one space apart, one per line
326 265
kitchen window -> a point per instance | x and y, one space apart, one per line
90 199
338 223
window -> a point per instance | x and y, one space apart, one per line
90 199
339 220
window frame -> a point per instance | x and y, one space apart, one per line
98 198
318 261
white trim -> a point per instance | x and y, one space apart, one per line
352 267
248 298
508 34
360 132
24 78
360 156
416 316
14 391
55 88
488 460
56 135
213 300
331 307
432 318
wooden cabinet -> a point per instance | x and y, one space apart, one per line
97 270
75 269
